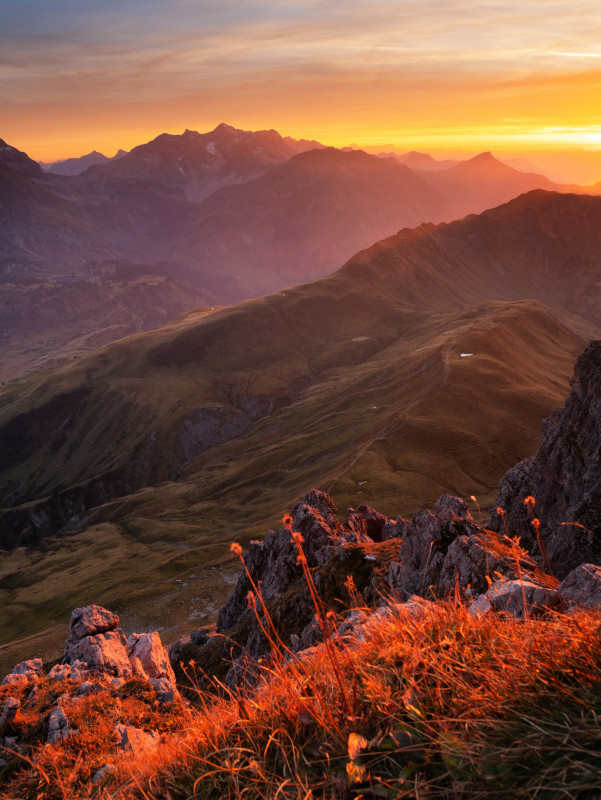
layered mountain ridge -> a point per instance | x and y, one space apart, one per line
222 216
424 365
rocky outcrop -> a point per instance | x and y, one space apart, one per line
425 545
564 478
96 647
272 563
364 523
150 660
26 672
95 639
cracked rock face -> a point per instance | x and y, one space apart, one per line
272 562
150 660
564 477
426 542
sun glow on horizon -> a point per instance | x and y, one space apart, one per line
424 74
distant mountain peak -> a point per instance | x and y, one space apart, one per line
18 161
484 158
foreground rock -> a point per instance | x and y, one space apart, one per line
582 586
27 672
150 660
519 598
95 639
563 478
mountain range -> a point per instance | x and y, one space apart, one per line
425 364
202 220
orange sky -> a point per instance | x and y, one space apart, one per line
428 75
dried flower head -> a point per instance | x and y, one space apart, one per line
236 549
297 538
529 501
536 523
500 511
287 521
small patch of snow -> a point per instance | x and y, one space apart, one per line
361 338
211 148
465 355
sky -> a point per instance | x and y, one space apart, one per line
78 75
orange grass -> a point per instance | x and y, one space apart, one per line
445 704
440 693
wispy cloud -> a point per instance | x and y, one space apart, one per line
98 53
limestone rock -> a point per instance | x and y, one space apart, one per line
90 621
24 673
59 727
150 660
564 477
107 769
509 596
95 639
272 562
582 586
135 742
75 672
9 712
104 653
426 541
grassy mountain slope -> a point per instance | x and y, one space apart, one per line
160 446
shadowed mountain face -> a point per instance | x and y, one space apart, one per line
221 216
423 365
301 219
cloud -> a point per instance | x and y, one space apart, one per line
282 57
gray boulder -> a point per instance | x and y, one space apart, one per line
59 727
9 713
25 673
582 586
95 639
132 741
150 660
510 596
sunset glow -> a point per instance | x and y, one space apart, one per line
415 75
